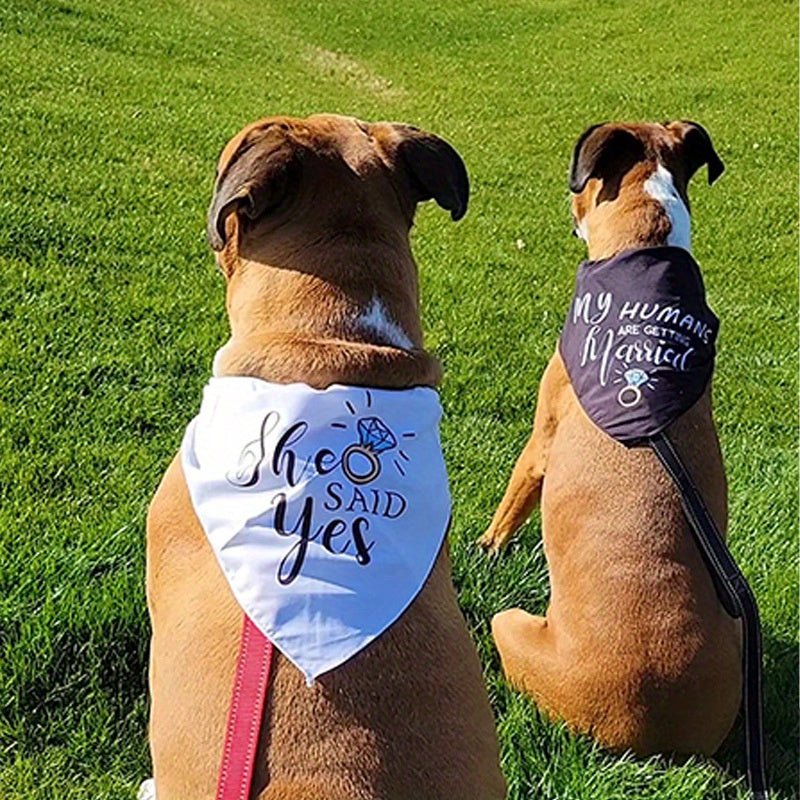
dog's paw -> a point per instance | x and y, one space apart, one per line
147 791
491 542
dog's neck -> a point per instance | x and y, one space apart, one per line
649 211
346 314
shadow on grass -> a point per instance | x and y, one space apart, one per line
781 698
88 671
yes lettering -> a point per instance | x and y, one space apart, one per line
340 512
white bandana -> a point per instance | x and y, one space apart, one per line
326 509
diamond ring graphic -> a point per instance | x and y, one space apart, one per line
360 462
630 395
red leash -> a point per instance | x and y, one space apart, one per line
250 688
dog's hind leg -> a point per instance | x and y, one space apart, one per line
563 684
530 658
525 486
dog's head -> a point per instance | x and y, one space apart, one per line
629 183
328 178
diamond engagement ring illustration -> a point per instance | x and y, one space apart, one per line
631 394
360 462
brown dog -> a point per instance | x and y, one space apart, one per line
310 221
635 648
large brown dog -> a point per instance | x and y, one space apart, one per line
310 221
635 648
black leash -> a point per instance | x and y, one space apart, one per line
738 600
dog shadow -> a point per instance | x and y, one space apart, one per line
781 728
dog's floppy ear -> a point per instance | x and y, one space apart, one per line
603 152
254 182
698 149
435 170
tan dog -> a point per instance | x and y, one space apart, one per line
635 648
310 221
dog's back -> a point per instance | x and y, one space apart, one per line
655 656
405 718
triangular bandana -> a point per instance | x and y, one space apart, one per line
638 342
326 509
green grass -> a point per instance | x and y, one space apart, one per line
112 117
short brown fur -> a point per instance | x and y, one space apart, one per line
635 648
408 717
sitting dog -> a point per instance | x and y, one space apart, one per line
635 648
310 222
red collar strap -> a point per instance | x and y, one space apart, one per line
250 688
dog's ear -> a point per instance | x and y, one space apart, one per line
255 180
603 151
698 149
434 169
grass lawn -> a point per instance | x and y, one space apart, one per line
112 117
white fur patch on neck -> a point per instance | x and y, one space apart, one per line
661 187
376 319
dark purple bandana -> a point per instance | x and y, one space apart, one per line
638 342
